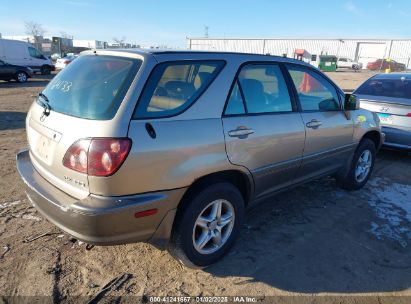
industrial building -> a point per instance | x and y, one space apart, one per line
361 50
90 44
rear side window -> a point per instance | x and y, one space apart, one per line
397 88
262 89
315 93
92 87
173 86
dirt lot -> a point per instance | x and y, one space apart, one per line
314 241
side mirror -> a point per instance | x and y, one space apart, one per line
351 102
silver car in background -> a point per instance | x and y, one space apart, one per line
389 95
171 147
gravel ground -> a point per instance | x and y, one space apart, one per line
316 242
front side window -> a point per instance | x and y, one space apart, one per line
173 86
35 53
315 93
263 89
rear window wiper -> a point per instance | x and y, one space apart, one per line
44 103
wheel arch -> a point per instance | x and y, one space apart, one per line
238 178
374 136
20 71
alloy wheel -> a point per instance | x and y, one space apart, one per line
213 226
363 166
21 77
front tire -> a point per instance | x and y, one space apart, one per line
45 70
21 77
207 225
361 166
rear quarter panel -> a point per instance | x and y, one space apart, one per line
181 152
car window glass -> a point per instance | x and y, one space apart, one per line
173 87
35 53
315 93
92 87
397 88
235 103
264 89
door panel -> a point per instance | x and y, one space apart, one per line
329 134
16 52
272 152
262 132
328 145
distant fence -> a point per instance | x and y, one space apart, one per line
364 50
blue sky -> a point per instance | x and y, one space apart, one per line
170 22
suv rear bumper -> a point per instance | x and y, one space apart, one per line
101 220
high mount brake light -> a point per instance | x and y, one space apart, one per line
97 156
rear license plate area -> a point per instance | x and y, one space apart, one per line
386 119
44 148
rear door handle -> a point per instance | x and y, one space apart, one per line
241 132
314 124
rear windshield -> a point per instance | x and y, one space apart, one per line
397 88
92 86
174 86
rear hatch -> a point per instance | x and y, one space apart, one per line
391 111
80 102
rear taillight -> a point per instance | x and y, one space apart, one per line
66 62
409 114
97 156
76 157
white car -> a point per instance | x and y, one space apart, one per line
347 63
63 62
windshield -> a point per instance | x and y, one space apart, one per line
92 86
397 88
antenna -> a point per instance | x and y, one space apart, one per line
206 28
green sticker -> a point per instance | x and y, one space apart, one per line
361 118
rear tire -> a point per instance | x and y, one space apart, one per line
21 77
361 166
204 232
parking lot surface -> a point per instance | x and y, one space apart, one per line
313 240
